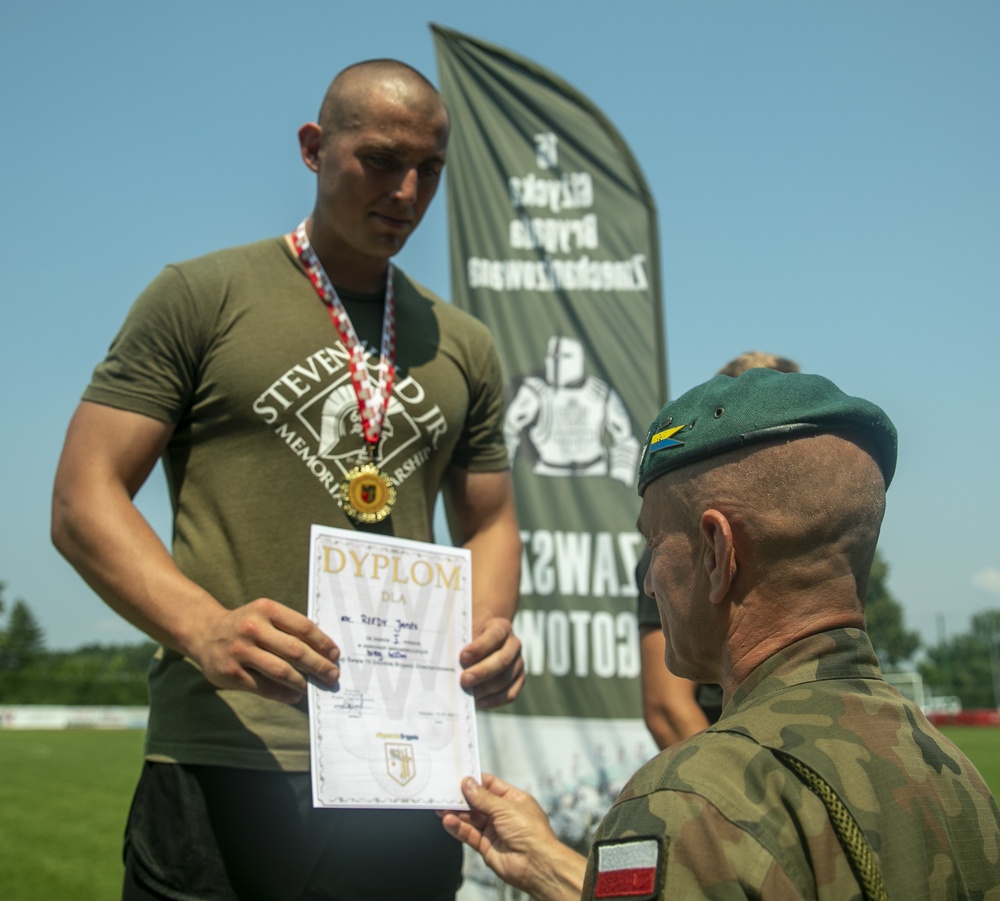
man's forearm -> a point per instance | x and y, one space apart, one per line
116 551
496 571
561 876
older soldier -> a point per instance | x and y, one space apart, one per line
762 502
676 708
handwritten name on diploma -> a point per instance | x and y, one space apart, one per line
395 629
380 622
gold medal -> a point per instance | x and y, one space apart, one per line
367 494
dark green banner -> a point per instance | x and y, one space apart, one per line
554 246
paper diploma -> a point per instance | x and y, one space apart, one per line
397 730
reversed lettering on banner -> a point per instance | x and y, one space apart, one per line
569 192
581 643
580 564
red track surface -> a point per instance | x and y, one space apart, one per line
986 717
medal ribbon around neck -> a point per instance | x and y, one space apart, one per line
373 403
367 494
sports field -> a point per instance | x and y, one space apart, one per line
64 796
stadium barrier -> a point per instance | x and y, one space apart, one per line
54 716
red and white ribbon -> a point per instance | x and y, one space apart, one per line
373 402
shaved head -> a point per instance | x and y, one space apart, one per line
378 152
345 106
802 510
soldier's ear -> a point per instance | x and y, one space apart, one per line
719 554
310 138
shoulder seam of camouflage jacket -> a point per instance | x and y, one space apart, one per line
741 749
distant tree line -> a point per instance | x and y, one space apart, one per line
892 641
968 665
965 665
93 675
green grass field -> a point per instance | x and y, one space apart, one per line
981 745
64 797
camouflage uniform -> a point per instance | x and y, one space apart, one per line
725 819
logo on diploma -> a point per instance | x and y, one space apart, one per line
400 763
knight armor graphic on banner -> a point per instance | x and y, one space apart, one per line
554 245
577 423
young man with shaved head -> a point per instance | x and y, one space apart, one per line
298 380
762 500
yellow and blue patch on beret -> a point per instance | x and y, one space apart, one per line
665 439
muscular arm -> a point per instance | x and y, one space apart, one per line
263 647
668 701
482 518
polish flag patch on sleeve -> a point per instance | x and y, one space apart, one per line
628 868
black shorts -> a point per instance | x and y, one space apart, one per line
207 833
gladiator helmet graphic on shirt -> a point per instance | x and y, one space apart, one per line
341 419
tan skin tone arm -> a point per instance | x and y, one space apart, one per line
482 517
668 701
512 833
262 647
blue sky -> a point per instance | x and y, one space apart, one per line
826 176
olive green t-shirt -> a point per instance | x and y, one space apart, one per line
237 350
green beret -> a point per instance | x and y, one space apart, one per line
725 414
